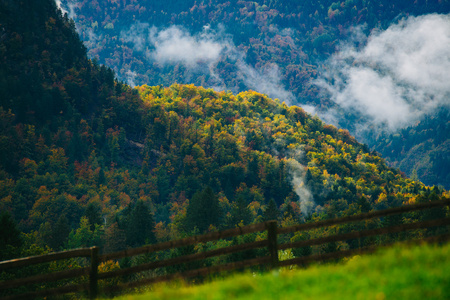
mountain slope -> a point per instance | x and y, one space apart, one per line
48 84
275 47
422 150
86 160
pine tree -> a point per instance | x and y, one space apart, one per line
203 210
9 236
271 212
140 226
93 214
60 233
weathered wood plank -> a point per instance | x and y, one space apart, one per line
365 216
184 242
32 260
365 233
184 259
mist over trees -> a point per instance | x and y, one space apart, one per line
312 54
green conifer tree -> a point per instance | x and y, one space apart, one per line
271 212
9 237
140 226
203 210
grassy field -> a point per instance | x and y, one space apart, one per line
415 272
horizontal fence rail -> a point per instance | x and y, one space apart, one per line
32 260
365 233
156 271
185 242
365 216
184 259
67 274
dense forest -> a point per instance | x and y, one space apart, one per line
87 160
421 150
275 47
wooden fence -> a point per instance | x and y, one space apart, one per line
269 248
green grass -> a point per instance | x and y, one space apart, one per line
415 272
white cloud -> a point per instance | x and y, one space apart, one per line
266 81
400 74
174 45
202 51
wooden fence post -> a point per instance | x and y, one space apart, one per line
93 276
272 245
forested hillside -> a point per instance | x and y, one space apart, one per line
58 111
280 48
422 150
86 160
